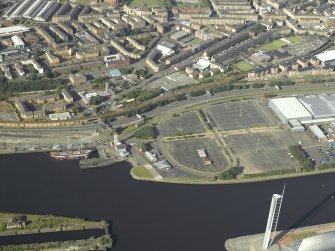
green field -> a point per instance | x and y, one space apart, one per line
141 172
295 39
244 66
151 3
277 44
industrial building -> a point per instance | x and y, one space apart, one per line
305 110
289 109
13 30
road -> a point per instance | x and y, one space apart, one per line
238 94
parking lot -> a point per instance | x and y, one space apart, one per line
265 152
322 153
184 123
185 152
239 115
7 113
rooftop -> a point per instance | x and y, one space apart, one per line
291 108
326 56
12 29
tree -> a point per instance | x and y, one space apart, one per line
146 132
96 100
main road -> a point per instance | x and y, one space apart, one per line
301 89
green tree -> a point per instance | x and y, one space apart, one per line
96 100
146 132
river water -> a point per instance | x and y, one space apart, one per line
156 216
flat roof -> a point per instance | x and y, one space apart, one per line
291 108
326 56
12 29
320 106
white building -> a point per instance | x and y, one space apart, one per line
18 42
166 51
289 109
60 116
326 56
318 133
151 157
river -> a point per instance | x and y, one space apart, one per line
156 216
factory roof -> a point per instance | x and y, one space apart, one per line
291 108
320 106
326 56
13 29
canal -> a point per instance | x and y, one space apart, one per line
156 216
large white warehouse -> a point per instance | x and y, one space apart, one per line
289 109
307 110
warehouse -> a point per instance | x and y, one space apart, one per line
322 106
289 109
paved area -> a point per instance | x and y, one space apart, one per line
184 123
185 152
261 152
239 115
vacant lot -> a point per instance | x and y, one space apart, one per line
277 44
183 124
185 152
244 66
240 115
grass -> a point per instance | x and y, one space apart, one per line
277 44
244 66
151 3
128 130
295 39
141 172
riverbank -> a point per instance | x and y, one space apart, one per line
19 224
208 181
284 240
92 243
